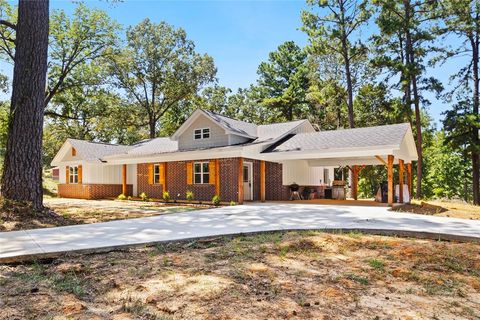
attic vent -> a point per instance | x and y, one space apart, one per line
74 152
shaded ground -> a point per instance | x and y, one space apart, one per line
452 209
306 275
65 212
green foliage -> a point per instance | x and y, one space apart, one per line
157 68
216 200
448 170
166 196
233 203
189 196
122 197
284 82
143 196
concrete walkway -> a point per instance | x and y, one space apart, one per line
29 244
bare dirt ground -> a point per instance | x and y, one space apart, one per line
294 275
65 212
442 208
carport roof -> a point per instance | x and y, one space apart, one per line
380 136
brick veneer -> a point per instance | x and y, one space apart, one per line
274 189
176 180
92 191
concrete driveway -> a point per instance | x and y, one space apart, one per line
249 218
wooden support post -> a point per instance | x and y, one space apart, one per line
262 180
409 179
390 179
164 177
355 171
401 178
217 177
240 180
124 179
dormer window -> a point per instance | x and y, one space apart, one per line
203 133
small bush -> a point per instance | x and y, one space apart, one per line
233 203
129 198
189 196
143 196
216 200
122 197
166 196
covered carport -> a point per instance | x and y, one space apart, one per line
389 146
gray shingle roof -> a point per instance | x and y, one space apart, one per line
387 135
269 132
157 145
95 151
233 125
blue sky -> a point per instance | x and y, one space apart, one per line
237 34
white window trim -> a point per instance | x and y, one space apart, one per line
202 133
201 163
155 174
72 175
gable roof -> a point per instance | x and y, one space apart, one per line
89 151
388 135
231 126
234 126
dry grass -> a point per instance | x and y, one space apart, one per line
65 212
443 208
306 275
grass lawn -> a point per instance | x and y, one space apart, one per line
294 275
74 211
442 208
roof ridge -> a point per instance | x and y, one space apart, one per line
102 143
269 124
228 117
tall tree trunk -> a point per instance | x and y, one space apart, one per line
152 126
410 56
22 178
475 132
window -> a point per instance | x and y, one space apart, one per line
201 133
73 175
74 152
156 173
201 173
326 176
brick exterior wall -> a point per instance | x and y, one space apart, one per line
152 190
92 191
176 180
274 190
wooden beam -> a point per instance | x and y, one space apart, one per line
401 178
262 180
409 179
217 177
240 180
124 179
355 172
381 160
390 179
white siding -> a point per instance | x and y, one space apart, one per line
234 139
62 174
300 172
218 137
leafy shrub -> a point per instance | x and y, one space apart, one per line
189 196
166 196
129 198
233 203
143 196
122 197
216 200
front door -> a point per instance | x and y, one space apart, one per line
247 181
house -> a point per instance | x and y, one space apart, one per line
211 154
